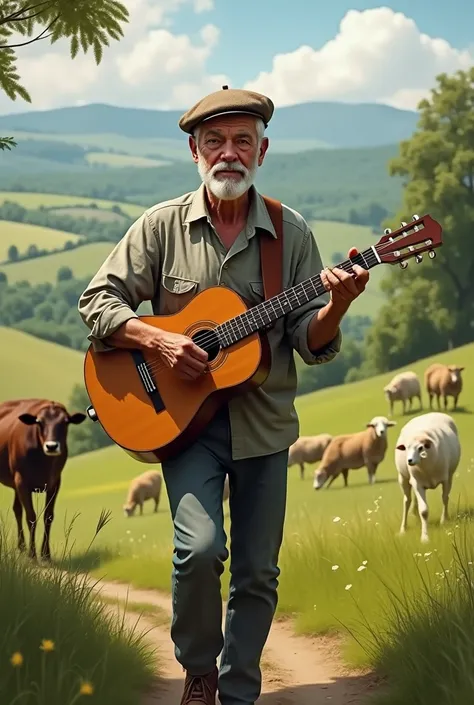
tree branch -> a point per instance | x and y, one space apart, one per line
16 15
42 35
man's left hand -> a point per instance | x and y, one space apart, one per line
343 286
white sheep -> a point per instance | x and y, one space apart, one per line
143 487
403 387
353 451
308 449
427 454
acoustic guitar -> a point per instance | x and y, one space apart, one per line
147 410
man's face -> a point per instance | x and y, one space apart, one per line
228 151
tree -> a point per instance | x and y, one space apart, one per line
88 24
64 274
434 298
13 253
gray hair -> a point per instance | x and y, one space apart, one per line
259 124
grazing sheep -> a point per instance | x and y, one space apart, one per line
143 487
403 387
427 454
308 449
445 381
353 451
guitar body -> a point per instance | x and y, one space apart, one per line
153 427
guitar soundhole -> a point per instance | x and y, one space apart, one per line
207 340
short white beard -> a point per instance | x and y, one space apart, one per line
227 189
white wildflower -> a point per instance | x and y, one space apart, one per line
335 567
348 587
336 519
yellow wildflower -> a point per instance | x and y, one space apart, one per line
16 659
47 645
86 688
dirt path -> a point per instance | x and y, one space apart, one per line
296 670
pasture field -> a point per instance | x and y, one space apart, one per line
23 235
84 261
32 367
50 200
96 213
333 527
332 238
123 160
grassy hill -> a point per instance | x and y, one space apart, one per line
84 261
322 184
36 199
23 235
338 238
123 160
333 124
95 213
33 367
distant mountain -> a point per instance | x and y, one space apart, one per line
331 124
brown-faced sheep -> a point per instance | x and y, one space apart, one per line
143 487
443 381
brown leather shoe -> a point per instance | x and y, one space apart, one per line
200 690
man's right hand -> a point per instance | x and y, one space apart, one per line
180 354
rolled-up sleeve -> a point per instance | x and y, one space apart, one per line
297 322
126 278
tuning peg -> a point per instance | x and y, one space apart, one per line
404 264
403 223
415 217
387 231
418 258
431 254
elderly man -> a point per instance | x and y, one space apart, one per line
175 249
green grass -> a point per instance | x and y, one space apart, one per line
23 235
84 262
49 200
96 213
335 237
123 160
37 368
87 644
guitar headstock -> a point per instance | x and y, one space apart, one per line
411 240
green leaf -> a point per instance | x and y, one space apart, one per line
7 143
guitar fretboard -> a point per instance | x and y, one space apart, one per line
264 314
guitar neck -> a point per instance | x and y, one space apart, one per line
264 314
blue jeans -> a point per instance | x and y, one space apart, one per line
195 482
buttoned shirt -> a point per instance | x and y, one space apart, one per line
171 253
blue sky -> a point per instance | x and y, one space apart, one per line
253 31
176 51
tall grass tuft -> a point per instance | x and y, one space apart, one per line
427 649
58 644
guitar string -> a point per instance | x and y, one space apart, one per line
157 366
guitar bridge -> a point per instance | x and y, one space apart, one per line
147 380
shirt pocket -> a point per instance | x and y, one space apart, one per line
175 293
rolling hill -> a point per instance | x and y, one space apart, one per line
83 261
23 234
328 124
50 200
32 367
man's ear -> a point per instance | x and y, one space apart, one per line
193 148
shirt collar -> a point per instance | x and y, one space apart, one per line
258 216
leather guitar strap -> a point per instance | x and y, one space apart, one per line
271 250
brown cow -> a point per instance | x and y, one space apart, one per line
33 452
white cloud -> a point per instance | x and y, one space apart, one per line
150 67
378 55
